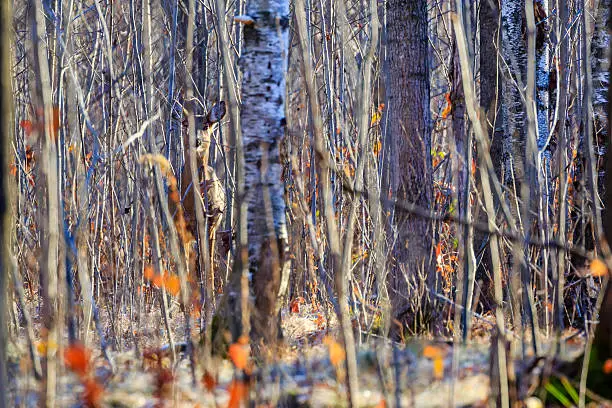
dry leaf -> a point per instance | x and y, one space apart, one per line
43 347
294 307
320 321
93 393
377 147
436 354
246 20
238 392
336 352
598 268
375 118
148 272
438 368
76 358
173 284
449 106
432 352
209 381
239 353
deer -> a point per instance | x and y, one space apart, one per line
211 188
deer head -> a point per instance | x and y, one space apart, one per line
211 123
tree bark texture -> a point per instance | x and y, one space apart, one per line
409 137
598 380
6 108
263 123
491 101
542 71
513 50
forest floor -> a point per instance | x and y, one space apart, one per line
308 370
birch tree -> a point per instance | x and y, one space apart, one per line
263 122
513 51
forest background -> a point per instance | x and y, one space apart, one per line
215 189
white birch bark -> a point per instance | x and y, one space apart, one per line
264 66
513 113
542 73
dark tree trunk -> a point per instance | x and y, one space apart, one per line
490 100
490 84
598 380
409 139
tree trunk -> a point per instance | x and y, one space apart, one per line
462 157
263 123
491 101
599 380
514 138
409 140
513 50
6 107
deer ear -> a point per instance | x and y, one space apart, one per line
217 112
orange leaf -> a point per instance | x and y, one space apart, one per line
294 307
148 272
173 285
438 368
438 249
238 392
598 268
449 106
432 351
382 404
435 353
76 358
158 280
336 353
239 354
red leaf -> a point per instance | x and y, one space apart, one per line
76 358
26 125
209 381
93 393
